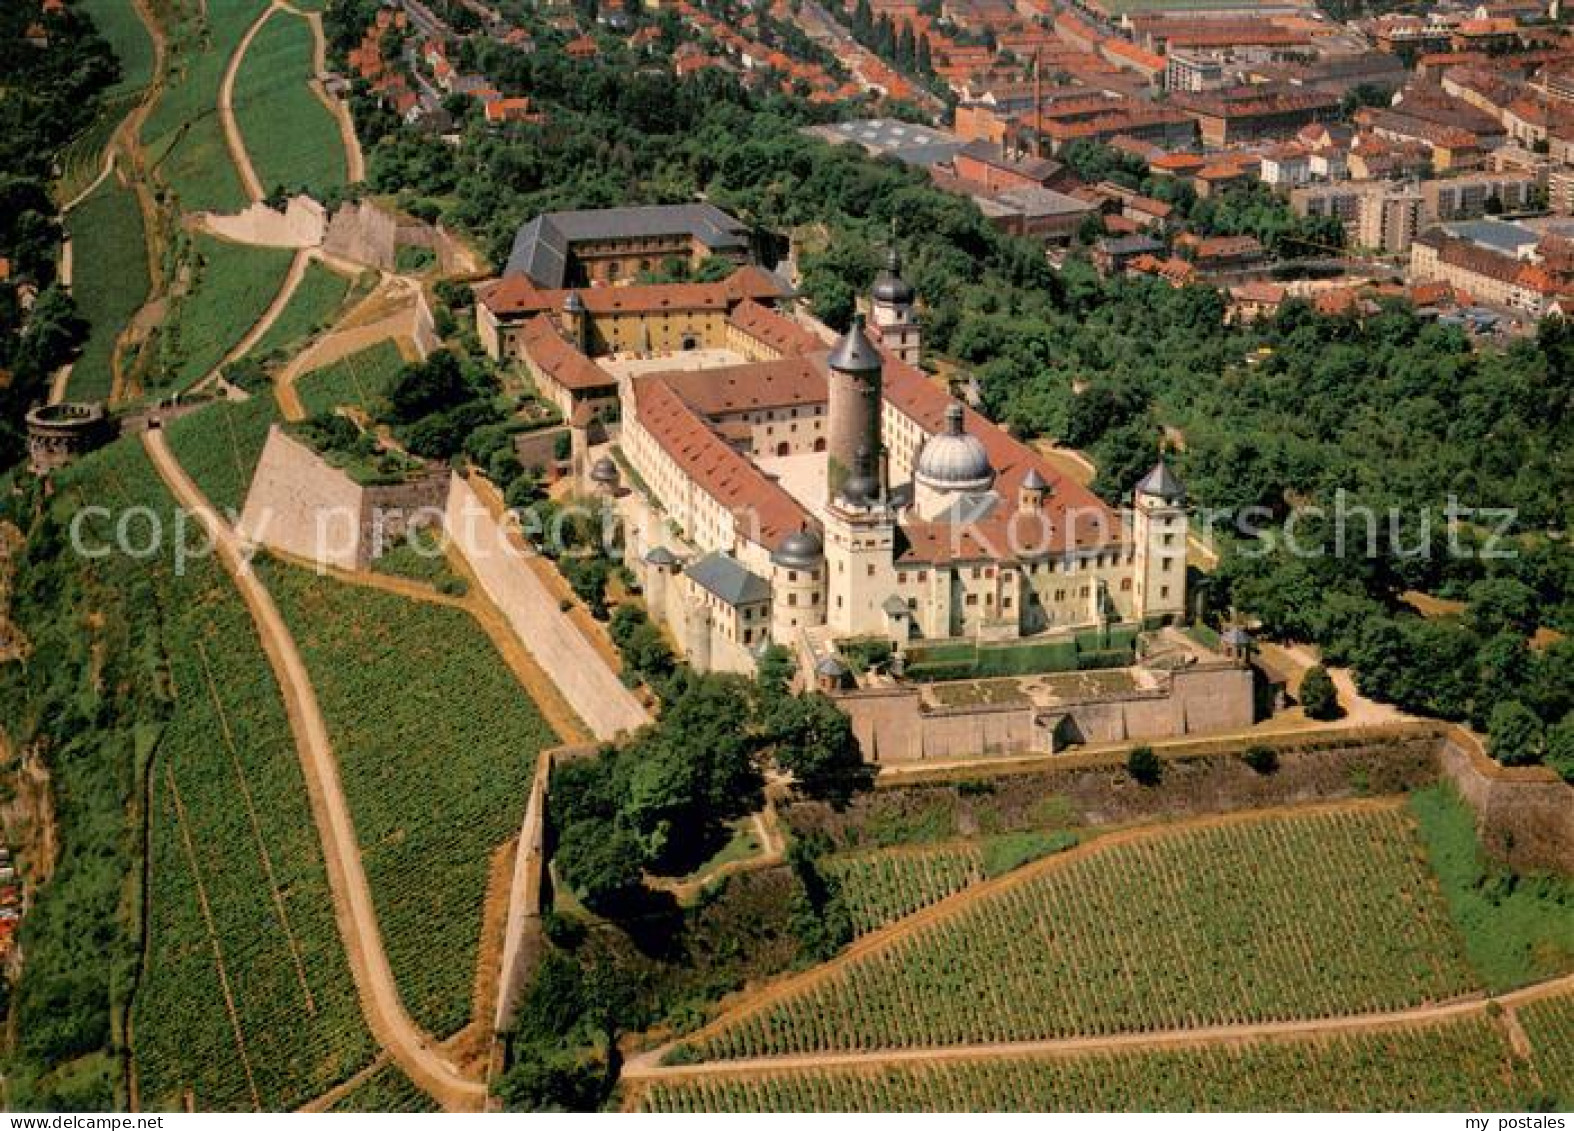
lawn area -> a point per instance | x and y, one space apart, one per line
183 135
1463 1065
245 999
318 298
1517 929
355 381
436 743
233 286
1186 926
219 447
109 280
291 137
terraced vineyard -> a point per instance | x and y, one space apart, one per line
292 138
321 293
1221 923
219 447
387 1089
882 887
1455 1066
1549 1024
109 280
245 998
436 743
183 136
355 381
234 285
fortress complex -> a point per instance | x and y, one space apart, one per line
782 487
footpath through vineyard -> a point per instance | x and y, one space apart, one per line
386 1016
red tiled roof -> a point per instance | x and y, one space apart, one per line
558 358
775 330
761 507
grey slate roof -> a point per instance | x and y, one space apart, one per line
542 247
721 575
855 353
1161 482
1501 236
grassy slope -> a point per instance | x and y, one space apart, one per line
312 306
291 137
436 744
220 445
183 135
234 286
1516 930
109 280
354 381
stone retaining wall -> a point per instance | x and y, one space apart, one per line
1524 814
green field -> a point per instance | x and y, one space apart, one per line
1211 925
245 997
109 280
219 447
355 381
234 285
313 305
292 139
387 1089
183 135
436 743
1456 1066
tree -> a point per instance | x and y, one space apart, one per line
1515 735
601 864
1560 747
1262 759
1319 697
776 670
1144 766
813 740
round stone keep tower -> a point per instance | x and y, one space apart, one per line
58 433
854 403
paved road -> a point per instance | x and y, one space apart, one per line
499 563
412 1049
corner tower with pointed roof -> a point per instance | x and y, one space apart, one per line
1159 531
854 404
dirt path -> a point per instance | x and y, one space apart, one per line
292 280
346 339
641 1068
62 377
754 1001
354 159
103 175
233 138
385 1013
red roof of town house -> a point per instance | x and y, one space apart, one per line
1178 163
645 35
510 110
54 7
582 48
5 268
514 295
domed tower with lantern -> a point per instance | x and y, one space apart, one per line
893 311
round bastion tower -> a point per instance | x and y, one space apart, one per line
797 586
853 404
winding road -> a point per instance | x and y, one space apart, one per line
413 1050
